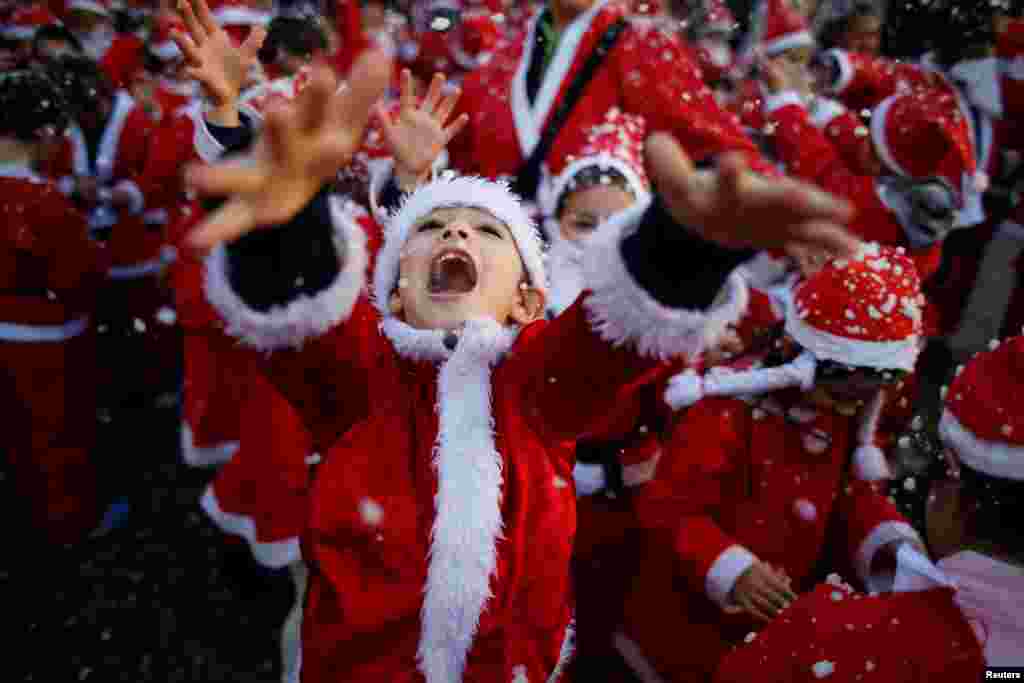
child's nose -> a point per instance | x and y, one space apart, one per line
456 231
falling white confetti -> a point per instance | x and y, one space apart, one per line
167 316
823 669
370 511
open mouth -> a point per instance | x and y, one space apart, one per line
452 272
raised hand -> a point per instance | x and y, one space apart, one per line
303 145
762 591
739 209
211 55
418 134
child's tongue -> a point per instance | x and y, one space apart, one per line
452 275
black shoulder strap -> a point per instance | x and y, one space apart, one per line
528 178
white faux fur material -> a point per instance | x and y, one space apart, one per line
450 191
305 317
566 654
994 458
622 312
273 554
882 535
869 463
890 355
468 516
789 41
560 184
204 456
688 387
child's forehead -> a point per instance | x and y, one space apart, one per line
449 214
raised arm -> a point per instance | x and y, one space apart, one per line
660 281
288 262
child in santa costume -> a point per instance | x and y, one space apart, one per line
51 275
749 492
18 31
160 85
943 621
441 517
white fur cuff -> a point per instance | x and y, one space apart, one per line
622 312
881 536
305 317
723 574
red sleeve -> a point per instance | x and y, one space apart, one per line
122 60
1010 52
700 463
460 149
869 521
349 26
661 81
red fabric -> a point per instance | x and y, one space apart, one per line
732 476
783 20
874 298
46 389
893 638
644 74
875 78
809 155
350 29
215 388
267 479
987 381
123 59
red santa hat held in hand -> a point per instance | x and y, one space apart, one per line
25 21
981 421
864 312
615 145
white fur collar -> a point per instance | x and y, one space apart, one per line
468 514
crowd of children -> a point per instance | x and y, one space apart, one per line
539 341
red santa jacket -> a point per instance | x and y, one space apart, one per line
766 477
401 586
118 163
49 269
648 72
833 634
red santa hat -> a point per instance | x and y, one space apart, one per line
449 191
981 421
615 144
25 21
784 28
920 135
101 7
161 45
717 18
863 312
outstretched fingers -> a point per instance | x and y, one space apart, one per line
206 18
447 105
455 127
227 178
433 97
188 16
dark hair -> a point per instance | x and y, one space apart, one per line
55 32
961 28
834 31
295 36
83 82
592 176
30 101
996 509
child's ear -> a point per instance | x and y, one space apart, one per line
395 303
530 306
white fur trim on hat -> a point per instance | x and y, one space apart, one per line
622 311
994 458
845 70
305 317
878 135
686 388
450 191
891 355
88 6
241 16
561 183
790 41
166 50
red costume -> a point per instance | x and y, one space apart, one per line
50 275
